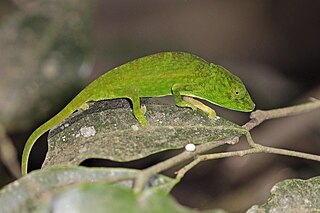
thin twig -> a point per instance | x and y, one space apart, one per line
143 176
257 149
259 116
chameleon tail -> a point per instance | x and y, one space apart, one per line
30 142
75 104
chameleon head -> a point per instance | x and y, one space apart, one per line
226 90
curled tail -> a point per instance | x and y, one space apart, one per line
75 103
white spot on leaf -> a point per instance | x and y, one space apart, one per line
88 131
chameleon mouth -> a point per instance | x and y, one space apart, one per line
249 109
246 104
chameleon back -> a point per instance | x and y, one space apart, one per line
154 75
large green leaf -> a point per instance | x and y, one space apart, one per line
108 130
113 199
293 195
37 188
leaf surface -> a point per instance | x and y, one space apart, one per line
108 130
293 195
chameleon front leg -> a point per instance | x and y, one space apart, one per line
176 89
188 101
211 113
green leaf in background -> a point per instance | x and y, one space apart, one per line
293 195
108 130
37 188
106 198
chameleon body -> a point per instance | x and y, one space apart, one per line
168 73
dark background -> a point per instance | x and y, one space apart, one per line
273 46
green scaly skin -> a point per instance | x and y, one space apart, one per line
168 73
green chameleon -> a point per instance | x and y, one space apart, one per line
168 73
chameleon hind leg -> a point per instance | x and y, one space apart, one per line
133 95
188 101
138 111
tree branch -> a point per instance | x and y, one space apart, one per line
257 117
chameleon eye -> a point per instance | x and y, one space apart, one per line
237 94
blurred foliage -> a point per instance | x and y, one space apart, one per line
52 43
39 188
